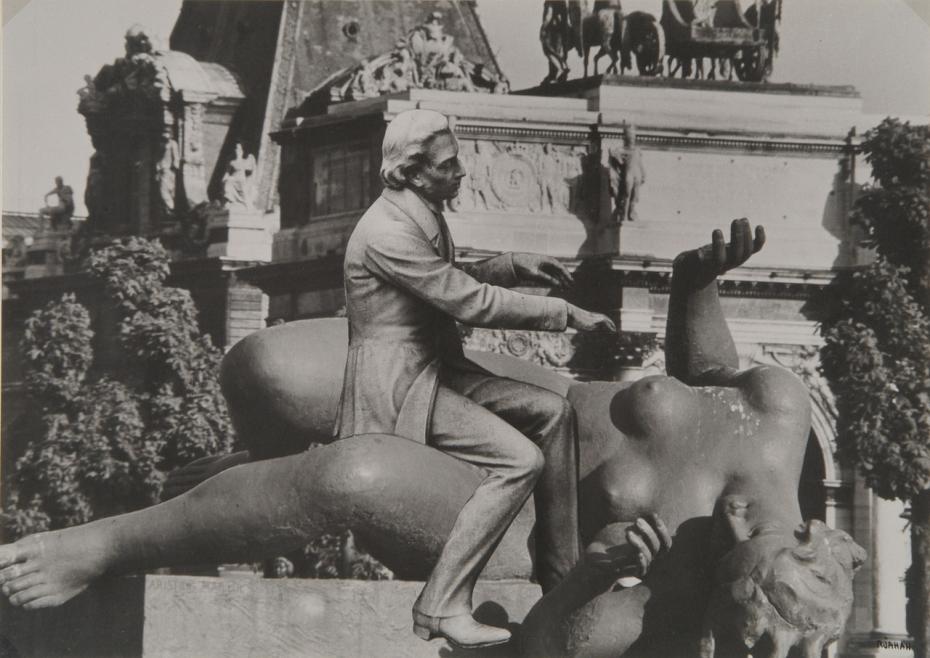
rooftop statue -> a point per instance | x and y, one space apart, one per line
426 58
688 482
58 214
687 33
627 175
238 181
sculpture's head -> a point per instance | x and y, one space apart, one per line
783 588
420 151
137 41
433 24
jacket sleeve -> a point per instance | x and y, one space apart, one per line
497 270
406 258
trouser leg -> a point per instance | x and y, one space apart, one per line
548 420
465 430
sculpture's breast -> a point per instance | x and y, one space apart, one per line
655 409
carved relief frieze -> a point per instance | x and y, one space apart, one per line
544 348
194 170
521 176
598 356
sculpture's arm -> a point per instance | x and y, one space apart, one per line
409 261
699 349
507 270
497 270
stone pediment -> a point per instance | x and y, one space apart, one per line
426 58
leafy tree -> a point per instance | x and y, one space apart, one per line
111 428
877 343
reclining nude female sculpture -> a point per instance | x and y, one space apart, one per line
713 452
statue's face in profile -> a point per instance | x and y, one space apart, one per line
440 178
786 588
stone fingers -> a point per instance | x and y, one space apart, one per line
760 239
665 538
563 278
739 241
643 554
649 536
719 249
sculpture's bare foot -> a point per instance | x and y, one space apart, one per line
49 568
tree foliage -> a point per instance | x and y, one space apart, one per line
877 329
112 428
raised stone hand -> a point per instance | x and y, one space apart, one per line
719 256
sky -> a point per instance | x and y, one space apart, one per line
882 47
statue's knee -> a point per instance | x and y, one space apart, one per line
554 406
528 463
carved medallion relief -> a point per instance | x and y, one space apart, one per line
529 177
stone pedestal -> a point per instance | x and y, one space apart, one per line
238 234
183 616
46 255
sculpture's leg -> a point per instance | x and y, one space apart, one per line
513 464
403 498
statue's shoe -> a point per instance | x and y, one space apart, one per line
462 631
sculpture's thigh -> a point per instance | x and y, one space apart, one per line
399 497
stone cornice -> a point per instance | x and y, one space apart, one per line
540 132
582 85
739 144
656 275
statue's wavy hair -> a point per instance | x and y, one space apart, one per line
406 144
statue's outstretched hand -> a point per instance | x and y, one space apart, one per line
720 256
540 269
628 549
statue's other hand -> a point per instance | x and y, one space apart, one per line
628 549
583 320
720 256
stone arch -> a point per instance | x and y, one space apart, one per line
823 428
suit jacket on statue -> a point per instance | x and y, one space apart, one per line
403 296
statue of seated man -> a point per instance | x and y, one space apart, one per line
58 214
688 482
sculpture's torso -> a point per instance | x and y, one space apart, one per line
659 445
